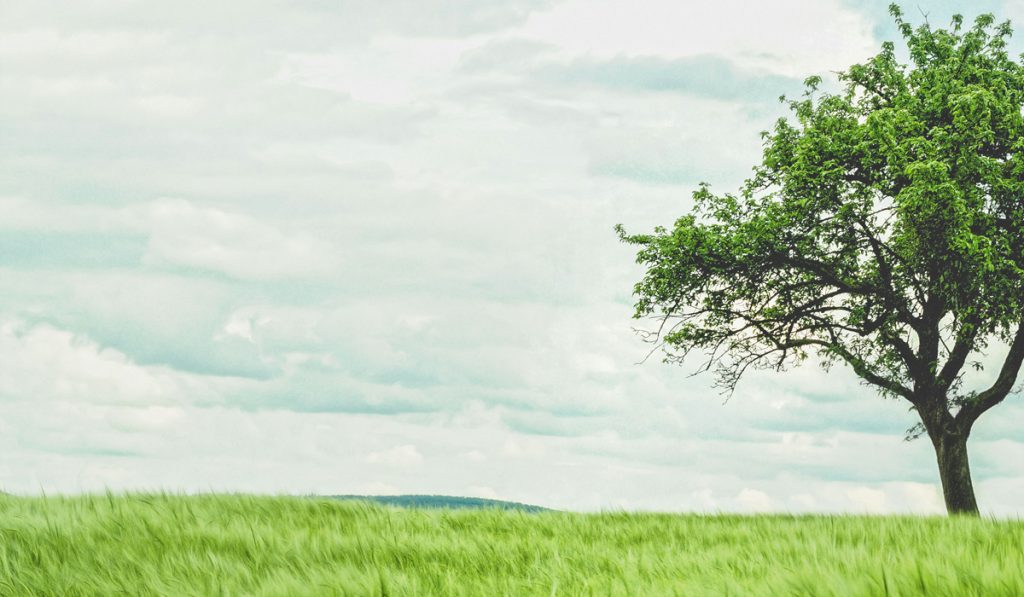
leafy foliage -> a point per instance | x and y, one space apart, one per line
884 228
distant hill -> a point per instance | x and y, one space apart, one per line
440 501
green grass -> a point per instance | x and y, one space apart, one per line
247 545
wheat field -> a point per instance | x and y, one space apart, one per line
166 544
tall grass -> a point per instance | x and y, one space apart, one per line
247 545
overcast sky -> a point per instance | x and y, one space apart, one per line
367 247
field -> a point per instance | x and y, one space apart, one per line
247 545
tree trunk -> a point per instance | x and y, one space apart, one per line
955 473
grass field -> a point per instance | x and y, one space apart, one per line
246 545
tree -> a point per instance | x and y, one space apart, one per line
883 230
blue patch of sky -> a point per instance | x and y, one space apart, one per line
34 249
65 444
192 353
528 422
708 76
1003 424
407 377
661 174
189 349
938 13
39 180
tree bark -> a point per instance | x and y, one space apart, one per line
955 473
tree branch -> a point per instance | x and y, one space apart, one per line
957 357
861 369
976 406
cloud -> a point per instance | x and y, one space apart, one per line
754 500
678 143
147 114
704 75
153 318
405 455
508 56
755 35
321 23
52 364
240 246
45 250
74 398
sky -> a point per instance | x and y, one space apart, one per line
364 247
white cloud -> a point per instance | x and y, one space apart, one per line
240 246
866 499
44 363
790 37
240 326
22 213
404 455
754 500
475 456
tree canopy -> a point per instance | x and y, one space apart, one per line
883 229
